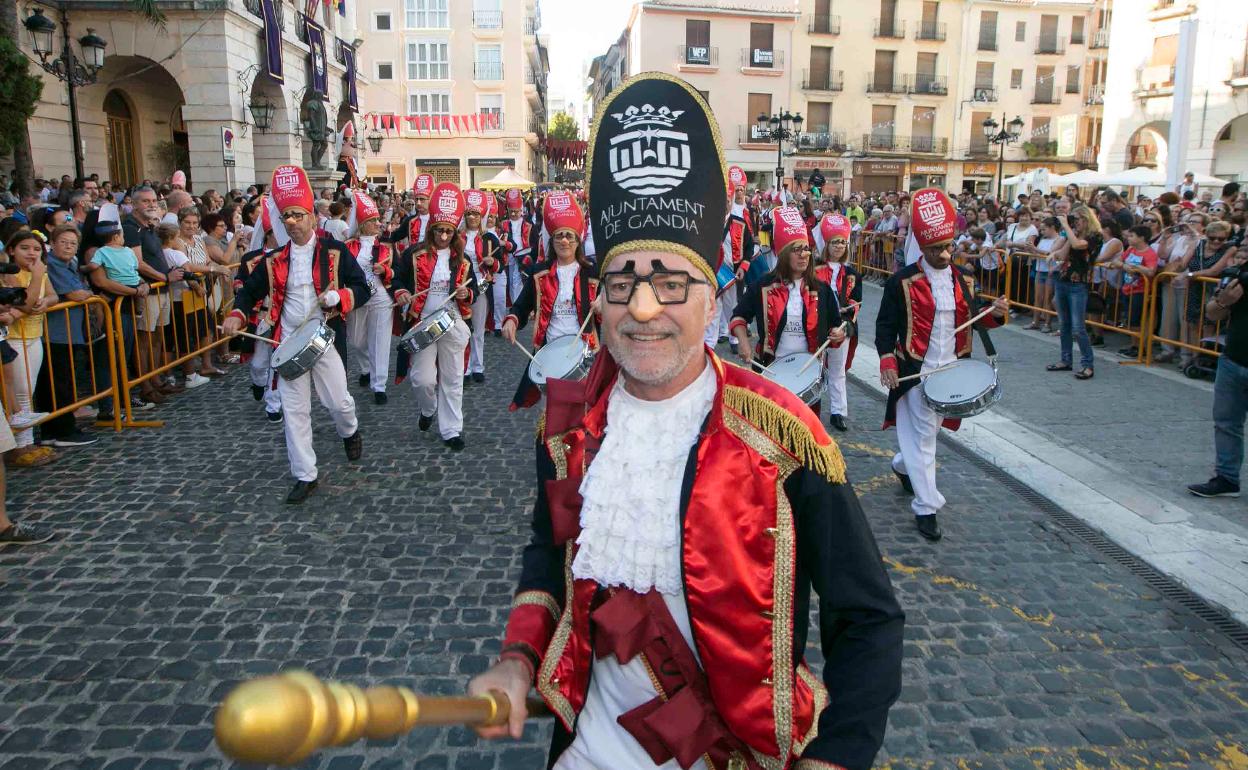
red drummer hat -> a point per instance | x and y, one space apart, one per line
561 212
736 178
833 225
446 205
365 206
514 199
475 200
788 228
423 186
933 218
291 188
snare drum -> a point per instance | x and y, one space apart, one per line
966 389
299 352
427 331
563 358
725 277
787 372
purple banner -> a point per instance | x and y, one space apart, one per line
272 40
316 46
348 54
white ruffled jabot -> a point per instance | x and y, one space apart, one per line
630 515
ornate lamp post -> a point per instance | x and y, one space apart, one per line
779 128
1009 134
74 71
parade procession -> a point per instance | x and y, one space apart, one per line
417 385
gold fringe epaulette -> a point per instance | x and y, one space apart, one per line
788 431
541 425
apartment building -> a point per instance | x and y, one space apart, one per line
441 59
1139 94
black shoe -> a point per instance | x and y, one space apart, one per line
364 380
300 491
1214 487
838 422
25 533
77 438
425 422
905 481
455 443
354 444
379 398
498 332
257 392
467 380
275 418
478 376
928 527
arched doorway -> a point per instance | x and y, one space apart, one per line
119 139
1230 150
274 145
1148 145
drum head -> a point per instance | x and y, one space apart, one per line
557 358
295 342
965 381
786 371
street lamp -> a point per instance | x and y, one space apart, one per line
262 114
1008 134
779 128
374 141
74 71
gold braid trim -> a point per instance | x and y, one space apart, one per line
541 425
788 431
537 598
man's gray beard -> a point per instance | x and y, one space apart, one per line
679 362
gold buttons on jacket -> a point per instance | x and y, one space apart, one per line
767 681
771 531
769 614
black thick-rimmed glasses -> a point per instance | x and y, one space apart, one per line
670 287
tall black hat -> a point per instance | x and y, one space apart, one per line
655 173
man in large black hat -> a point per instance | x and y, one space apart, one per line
686 507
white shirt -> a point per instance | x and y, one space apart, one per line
470 250
368 244
336 228
630 537
517 236
176 258
300 303
941 347
439 284
423 219
563 317
792 336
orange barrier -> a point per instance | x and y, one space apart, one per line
872 254
1193 328
53 379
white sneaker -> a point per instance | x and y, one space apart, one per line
195 379
25 419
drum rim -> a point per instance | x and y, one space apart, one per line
967 365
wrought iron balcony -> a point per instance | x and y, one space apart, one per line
1051 45
984 93
890 28
930 30
822 141
823 25
762 58
1100 39
698 55
1046 95
823 80
882 142
930 85
886 84
1096 94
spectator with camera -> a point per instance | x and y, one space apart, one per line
1230 385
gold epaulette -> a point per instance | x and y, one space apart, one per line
788 432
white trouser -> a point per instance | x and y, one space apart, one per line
437 377
476 351
515 278
834 379
368 332
499 288
727 306
262 377
917 428
329 377
25 370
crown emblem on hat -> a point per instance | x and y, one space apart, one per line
647 115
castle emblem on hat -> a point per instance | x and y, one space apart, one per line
650 157
931 209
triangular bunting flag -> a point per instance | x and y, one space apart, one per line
475 125
446 122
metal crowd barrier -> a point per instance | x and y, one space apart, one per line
1190 330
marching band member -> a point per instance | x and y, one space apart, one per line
831 238
411 232
262 385
369 326
490 226
303 280
517 234
794 311
429 275
685 510
561 296
914 332
481 249
738 249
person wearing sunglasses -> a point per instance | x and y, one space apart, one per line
560 297
681 495
1210 257
311 278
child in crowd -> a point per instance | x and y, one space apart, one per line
1138 260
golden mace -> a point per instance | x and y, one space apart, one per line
284 719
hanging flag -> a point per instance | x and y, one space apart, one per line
446 122
348 54
342 7
316 51
272 40
309 8
458 126
475 125
373 117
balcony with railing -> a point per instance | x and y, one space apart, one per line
1087 155
531 25
823 80
753 134
887 84
936 145
1096 94
931 30
487 19
1154 81
1046 94
487 70
823 24
890 28
762 58
340 55
697 55
1040 148
984 92
1051 45
1100 40
879 141
822 140
930 85
979 147
988 41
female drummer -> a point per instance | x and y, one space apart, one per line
561 295
832 268
481 249
434 275
794 311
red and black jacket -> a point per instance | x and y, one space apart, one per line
382 255
766 305
485 244
511 246
413 272
537 298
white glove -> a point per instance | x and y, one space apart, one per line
329 299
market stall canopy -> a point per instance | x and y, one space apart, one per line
1140 176
507 179
1035 179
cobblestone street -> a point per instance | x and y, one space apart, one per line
180 572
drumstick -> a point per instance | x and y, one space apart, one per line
252 336
814 356
524 350
426 291
973 320
585 323
924 374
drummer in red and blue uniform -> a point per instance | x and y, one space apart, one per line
560 296
831 237
914 332
794 311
